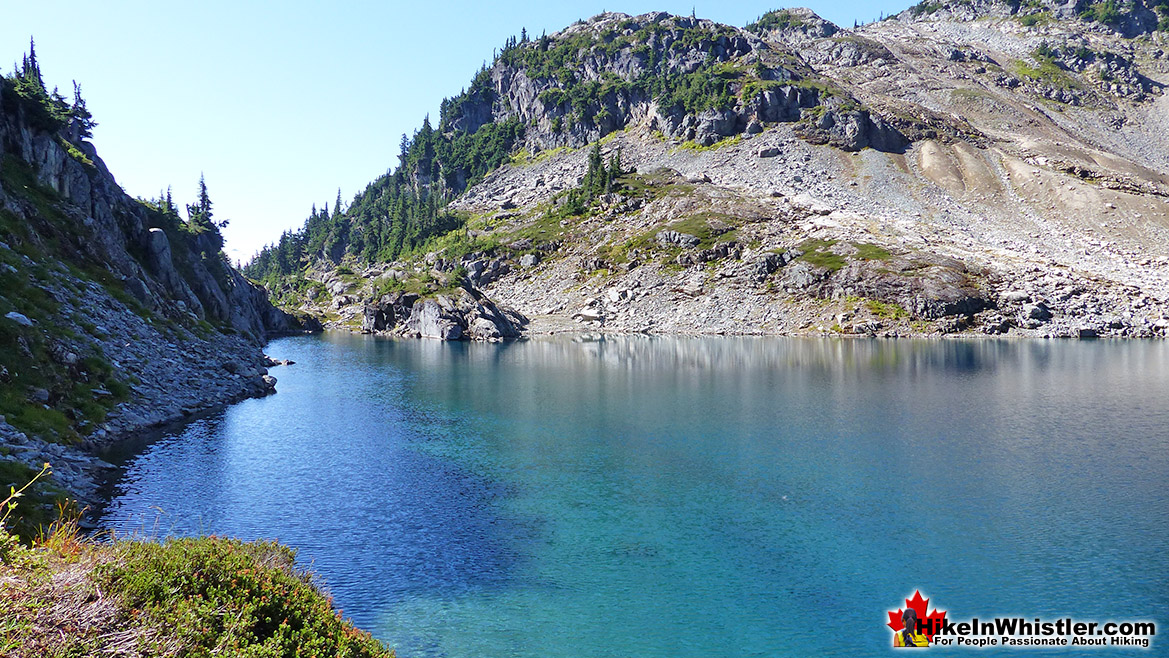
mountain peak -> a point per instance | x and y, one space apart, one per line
800 22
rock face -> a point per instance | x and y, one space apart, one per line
630 48
460 315
388 312
100 224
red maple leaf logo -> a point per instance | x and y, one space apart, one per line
929 623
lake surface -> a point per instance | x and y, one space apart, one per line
687 497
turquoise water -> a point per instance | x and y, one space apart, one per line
687 497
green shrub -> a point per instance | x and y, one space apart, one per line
224 596
886 310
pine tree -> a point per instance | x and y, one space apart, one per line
614 171
403 151
199 213
32 70
80 114
594 183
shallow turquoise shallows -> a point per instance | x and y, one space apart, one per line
687 497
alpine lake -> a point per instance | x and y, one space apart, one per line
667 496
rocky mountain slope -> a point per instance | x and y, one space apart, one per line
115 315
963 167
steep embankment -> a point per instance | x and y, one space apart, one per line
980 167
115 315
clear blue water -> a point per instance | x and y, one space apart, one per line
687 497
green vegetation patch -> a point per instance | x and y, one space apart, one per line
80 395
775 20
74 152
1038 18
67 596
708 227
925 8
1046 71
217 595
524 157
33 512
1107 12
887 310
816 252
866 251
699 148
548 226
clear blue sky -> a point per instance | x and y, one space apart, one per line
281 104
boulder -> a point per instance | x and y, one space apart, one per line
19 318
589 315
429 320
1037 311
670 238
768 263
482 328
1015 297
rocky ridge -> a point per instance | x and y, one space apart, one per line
1025 195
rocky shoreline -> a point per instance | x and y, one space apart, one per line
117 316
179 375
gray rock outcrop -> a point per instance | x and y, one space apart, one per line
457 315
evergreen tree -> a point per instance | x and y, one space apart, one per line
31 72
594 182
614 172
80 114
199 213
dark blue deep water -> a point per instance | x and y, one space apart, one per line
687 497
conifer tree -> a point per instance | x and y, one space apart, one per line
80 114
199 213
594 183
31 71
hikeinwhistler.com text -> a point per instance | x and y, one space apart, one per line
1021 632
